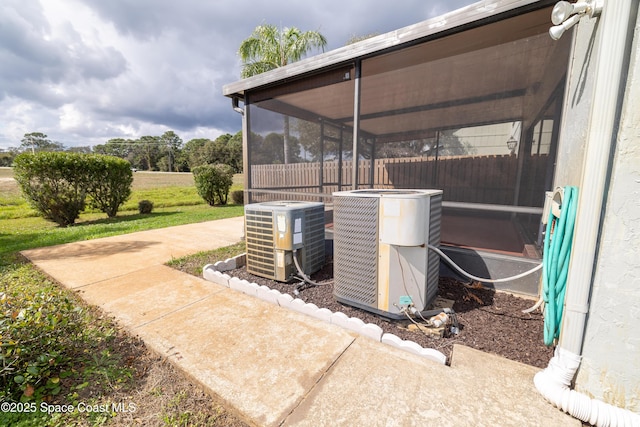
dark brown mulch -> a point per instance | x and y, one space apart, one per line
489 321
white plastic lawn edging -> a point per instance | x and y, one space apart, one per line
415 348
215 273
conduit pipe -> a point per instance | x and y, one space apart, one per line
553 383
481 279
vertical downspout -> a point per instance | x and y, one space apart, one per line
246 157
372 167
608 90
340 149
522 147
356 124
435 166
609 83
321 171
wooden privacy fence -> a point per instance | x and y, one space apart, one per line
481 179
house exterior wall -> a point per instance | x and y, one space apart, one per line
610 369
577 104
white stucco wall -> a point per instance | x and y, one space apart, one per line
610 369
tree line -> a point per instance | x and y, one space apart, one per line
166 153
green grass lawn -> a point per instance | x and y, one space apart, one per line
193 264
34 232
164 189
56 349
175 202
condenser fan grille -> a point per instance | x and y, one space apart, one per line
356 249
259 237
433 269
314 235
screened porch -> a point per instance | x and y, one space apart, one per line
467 105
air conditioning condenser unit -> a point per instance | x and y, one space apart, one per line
274 230
381 260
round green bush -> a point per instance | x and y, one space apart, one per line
57 184
54 183
213 182
145 206
110 183
237 197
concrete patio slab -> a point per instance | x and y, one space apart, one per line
82 263
260 358
380 386
494 381
148 294
276 366
371 378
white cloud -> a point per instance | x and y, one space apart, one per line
85 71
21 117
71 118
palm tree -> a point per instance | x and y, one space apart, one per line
270 47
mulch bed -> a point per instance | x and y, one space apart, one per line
489 321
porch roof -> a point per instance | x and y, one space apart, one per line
432 75
483 13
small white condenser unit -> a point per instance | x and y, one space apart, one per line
381 259
273 230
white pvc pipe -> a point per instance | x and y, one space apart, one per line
554 382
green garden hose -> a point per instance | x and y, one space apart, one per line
555 263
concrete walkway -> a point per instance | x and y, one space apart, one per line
275 366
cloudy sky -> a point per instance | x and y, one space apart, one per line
85 71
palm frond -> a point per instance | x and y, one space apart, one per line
269 47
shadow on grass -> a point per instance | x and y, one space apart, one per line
83 230
123 218
98 227
137 216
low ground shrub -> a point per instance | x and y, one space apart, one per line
237 197
41 330
213 182
145 206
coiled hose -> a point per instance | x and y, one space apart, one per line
555 263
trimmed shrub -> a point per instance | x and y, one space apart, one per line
213 182
145 206
237 197
54 183
109 184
